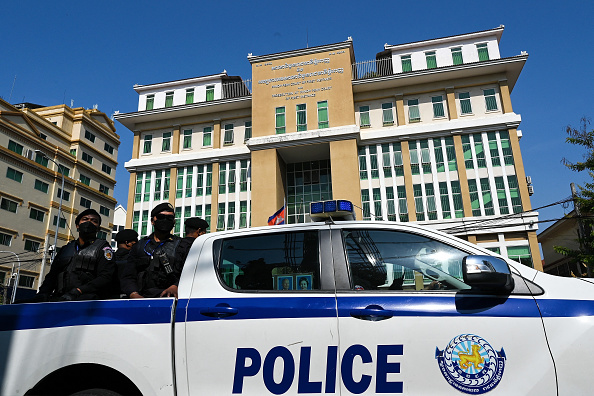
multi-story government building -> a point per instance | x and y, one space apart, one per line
423 133
37 146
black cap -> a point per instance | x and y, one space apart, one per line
87 212
196 223
162 207
126 235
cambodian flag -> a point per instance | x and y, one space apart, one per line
278 217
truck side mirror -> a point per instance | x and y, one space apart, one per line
487 273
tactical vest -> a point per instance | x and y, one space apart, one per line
82 265
157 271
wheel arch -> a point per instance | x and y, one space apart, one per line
77 377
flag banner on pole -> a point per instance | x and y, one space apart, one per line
278 217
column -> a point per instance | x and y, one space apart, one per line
344 160
216 134
519 166
268 190
505 98
175 142
451 102
131 192
214 198
408 184
462 177
535 251
136 145
400 119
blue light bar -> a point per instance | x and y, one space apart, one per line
317 207
335 209
346 206
329 206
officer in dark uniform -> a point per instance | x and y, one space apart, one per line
83 269
154 264
194 227
125 239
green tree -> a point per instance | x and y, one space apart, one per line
584 197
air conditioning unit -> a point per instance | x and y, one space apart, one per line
530 190
528 180
30 154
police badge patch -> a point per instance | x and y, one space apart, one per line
107 253
470 364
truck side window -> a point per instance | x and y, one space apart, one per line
394 260
286 261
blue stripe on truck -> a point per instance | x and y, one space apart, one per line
77 313
154 311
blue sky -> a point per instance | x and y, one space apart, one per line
94 52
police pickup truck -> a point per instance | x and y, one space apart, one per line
321 308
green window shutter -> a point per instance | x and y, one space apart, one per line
387 114
187 138
413 110
280 120
406 63
490 100
150 102
438 106
189 95
166 146
169 99
323 115
301 118
364 116
229 135
210 93
457 56
248 131
207 137
465 106
483 52
431 60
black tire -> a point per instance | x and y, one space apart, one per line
96 392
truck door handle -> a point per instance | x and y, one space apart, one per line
219 311
373 313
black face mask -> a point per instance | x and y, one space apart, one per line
164 225
87 229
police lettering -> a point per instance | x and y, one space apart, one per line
248 363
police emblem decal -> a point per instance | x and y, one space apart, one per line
108 253
470 364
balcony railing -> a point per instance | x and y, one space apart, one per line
373 68
237 89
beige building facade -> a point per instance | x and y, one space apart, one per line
37 146
423 133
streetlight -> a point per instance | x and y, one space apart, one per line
54 250
18 274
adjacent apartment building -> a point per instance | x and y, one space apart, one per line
424 133
39 145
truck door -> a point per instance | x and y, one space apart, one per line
261 317
409 324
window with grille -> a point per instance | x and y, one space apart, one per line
438 111
323 120
490 100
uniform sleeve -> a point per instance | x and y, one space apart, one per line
129 274
51 279
181 254
106 269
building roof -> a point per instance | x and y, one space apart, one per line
498 31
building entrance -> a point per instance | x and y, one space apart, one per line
307 182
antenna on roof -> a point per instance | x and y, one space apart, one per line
71 103
306 37
95 106
13 81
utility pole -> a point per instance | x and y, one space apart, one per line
582 231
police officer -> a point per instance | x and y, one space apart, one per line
154 265
195 226
125 239
84 268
